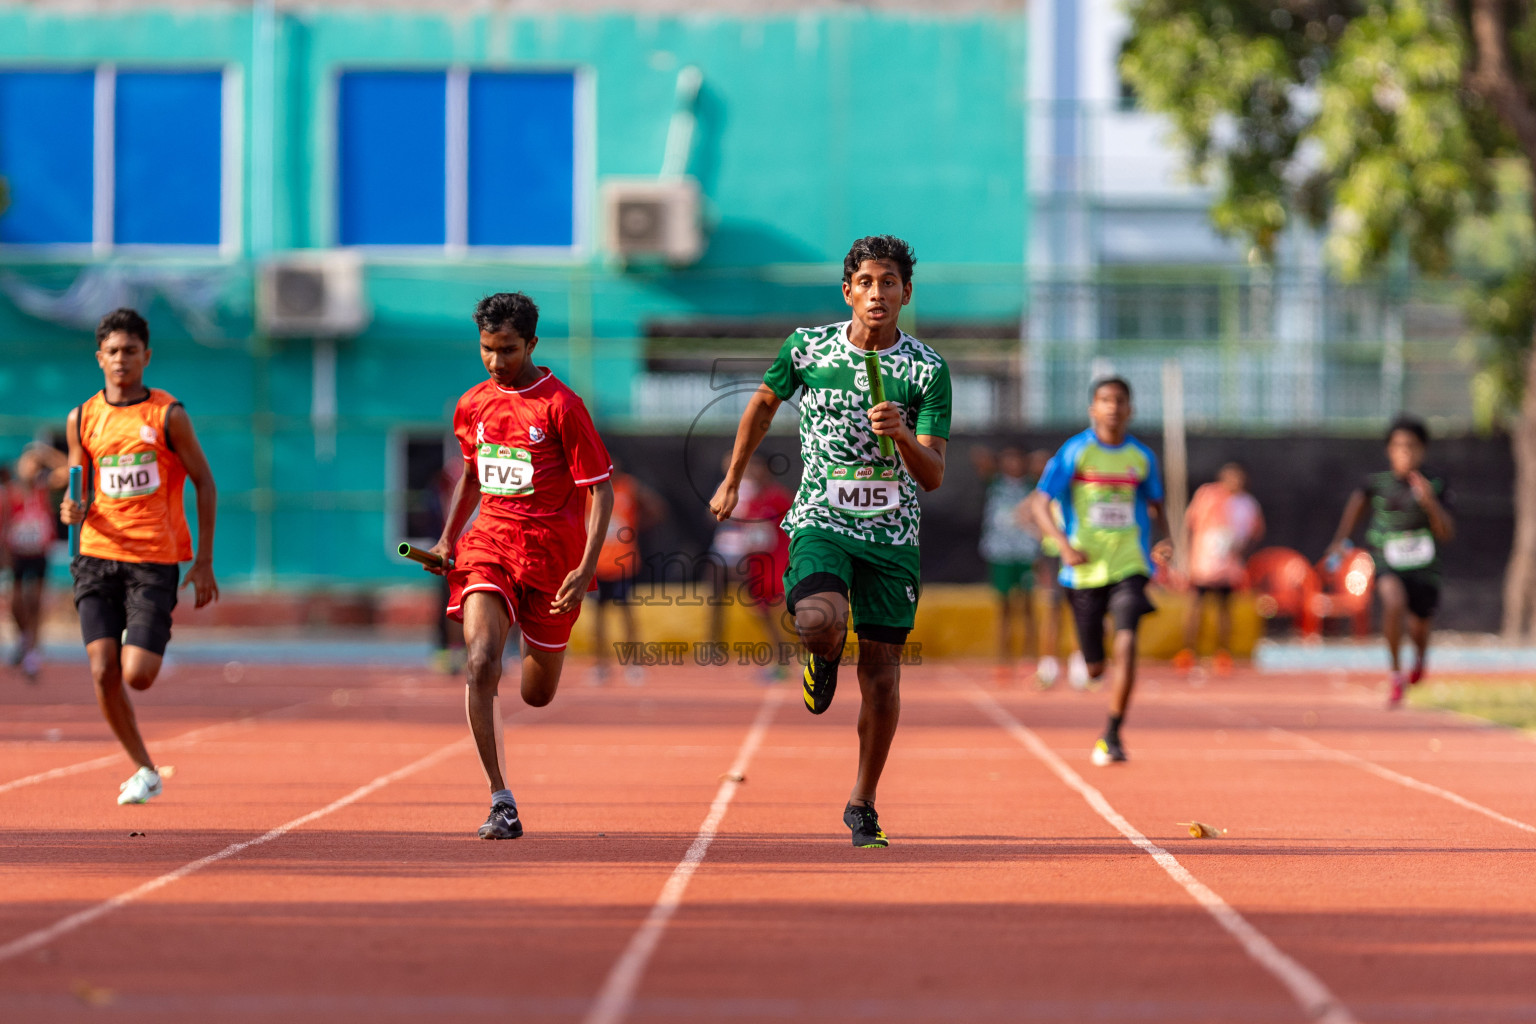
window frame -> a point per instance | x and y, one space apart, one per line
327 171
103 175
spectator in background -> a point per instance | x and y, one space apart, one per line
635 507
752 550
1008 545
1222 527
28 531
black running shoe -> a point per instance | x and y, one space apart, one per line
866 826
503 823
819 681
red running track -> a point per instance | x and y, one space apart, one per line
1377 867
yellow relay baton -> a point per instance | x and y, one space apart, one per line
876 396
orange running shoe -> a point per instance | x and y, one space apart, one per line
1184 660
1221 664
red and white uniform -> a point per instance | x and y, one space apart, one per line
535 452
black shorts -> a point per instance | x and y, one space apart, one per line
614 591
1221 590
1126 600
1423 592
29 567
126 601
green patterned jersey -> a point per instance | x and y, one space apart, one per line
847 488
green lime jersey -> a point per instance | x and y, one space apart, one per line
847 488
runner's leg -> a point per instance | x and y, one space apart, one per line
1004 625
1224 620
1418 631
140 667
1394 603
541 674
1123 679
486 622
107 674
821 621
880 688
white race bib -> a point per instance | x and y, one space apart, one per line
863 490
127 476
1413 550
1112 515
504 471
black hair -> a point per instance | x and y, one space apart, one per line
1104 382
881 248
495 314
1233 464
1412 425
125 320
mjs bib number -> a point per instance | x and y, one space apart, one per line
863 490
505 472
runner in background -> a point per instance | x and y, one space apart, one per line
1009 545
1223 526
1409 521
635 507
448 657
748 556
28 519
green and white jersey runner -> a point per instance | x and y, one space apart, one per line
847 488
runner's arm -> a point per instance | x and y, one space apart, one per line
1440 522
1162 550
599 510
72 512
183 439
1354 511
755 421
466 495
922 453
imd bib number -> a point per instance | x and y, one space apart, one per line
1112 514
127 476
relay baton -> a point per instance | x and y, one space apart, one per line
426 558
876 396
74 496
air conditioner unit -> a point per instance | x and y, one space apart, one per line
312 295
649 219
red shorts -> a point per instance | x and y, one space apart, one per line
478 566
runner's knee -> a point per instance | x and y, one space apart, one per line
483 663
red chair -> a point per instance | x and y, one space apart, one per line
1286 585
1346 590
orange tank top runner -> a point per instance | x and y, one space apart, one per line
134 481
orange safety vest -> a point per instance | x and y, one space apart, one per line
136 481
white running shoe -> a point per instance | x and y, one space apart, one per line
1047 671
141 787
634 675
1077 671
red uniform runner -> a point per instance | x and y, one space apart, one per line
534 451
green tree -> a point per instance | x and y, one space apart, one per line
1392 124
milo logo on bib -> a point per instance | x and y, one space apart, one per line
863 490
505 472
127 476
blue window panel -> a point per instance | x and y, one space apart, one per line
393 157
522 158
168 158
46 146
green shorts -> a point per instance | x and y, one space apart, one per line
1007 577
882 580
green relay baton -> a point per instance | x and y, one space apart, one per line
876 396
426 558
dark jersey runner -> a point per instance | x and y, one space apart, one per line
1398 533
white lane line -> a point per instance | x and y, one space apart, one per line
1315 998
200 733
618 992
43 936
1325 752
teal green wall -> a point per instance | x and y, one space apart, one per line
813 130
